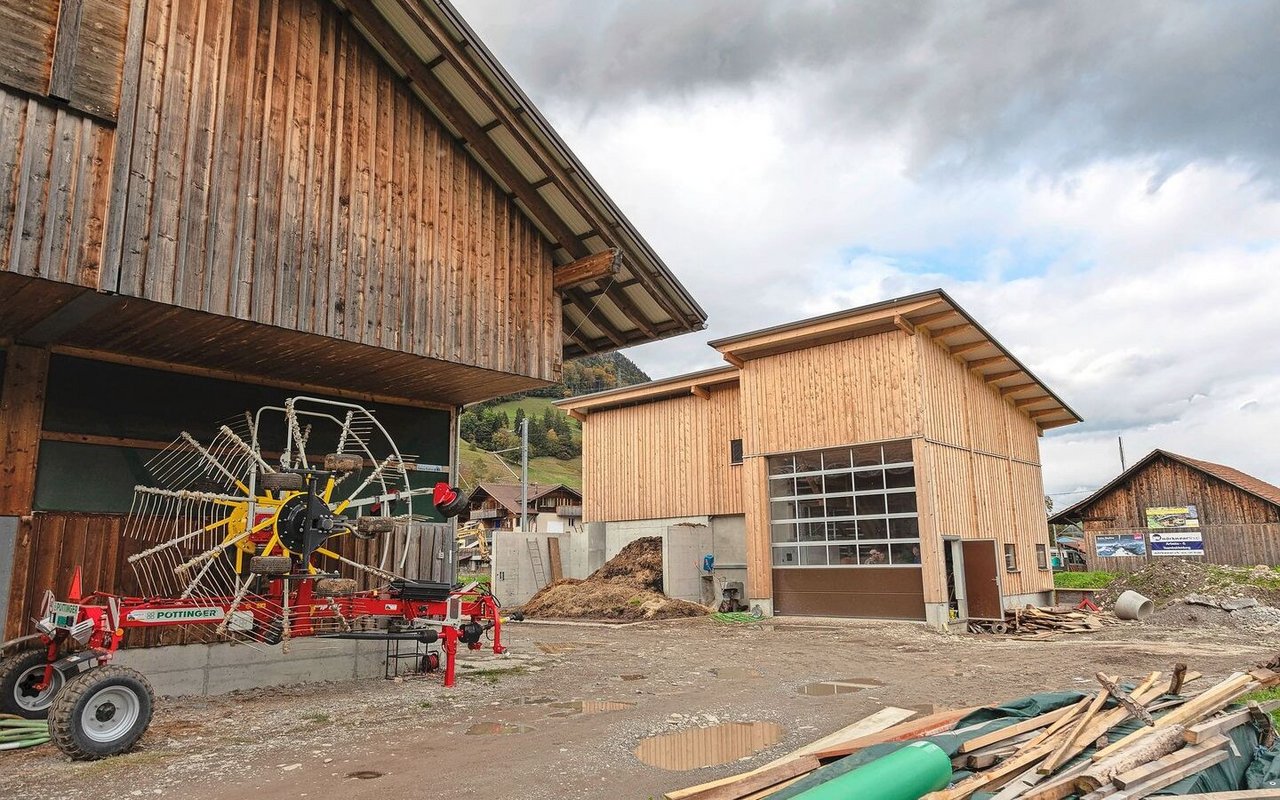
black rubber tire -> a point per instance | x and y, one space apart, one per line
69 707
369 525
271 565
11 670
281 481
343 462
334 587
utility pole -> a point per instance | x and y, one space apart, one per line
1120 439
524 475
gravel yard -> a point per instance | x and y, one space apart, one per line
513 727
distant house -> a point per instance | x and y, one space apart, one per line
1169 505
553 508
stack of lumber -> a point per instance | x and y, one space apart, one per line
1188 738
1044 622
1070 751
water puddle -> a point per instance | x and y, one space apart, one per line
534 701
496 728
707 747
577 707
364 774
842 686
633 677
735 673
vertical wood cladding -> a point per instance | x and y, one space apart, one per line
982 458
664 459
54 181
282 173
1166 482
864 389
94 45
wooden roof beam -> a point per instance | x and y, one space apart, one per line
904 326
628 309
1030 401
941 332
585 306
436 92
700 391
1043 412
580 416
999 376
1005 391
965 348
934 317
734 360
595 267
979 363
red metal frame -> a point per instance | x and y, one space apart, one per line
478 607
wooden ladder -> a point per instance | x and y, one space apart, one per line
535 558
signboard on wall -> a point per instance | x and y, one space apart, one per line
1120 545
1175 517
1186 542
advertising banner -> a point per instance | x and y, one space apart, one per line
1177 543
1166 517
1119 545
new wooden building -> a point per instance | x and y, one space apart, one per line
208 205
1170 506
880 462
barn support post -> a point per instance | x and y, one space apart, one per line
22 391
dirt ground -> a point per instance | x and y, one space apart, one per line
379 739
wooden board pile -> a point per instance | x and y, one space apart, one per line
1041 623
1032 759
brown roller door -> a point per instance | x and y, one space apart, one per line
878 592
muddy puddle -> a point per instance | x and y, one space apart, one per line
735 673
364 774
496 729
633 677
707 747
577 707
841 686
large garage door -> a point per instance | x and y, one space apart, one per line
845 532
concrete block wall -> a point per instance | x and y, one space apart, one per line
206 669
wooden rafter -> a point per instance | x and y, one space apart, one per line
1030 401
941 332
965 348
595 267
903 325
979 363
700 391
999 376
1005 391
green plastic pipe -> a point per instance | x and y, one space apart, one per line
906 774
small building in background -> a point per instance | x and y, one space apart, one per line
1171 506
553 508
878 462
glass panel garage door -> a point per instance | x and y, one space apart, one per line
845 507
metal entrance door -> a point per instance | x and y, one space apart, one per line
982 580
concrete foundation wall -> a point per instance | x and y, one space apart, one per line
586 549
514 578
620 534
203 669
683 549
729 544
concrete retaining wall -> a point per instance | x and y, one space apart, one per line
204 669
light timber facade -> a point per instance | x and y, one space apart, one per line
210 205
884 462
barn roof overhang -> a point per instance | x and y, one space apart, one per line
933 314
694 383
623 296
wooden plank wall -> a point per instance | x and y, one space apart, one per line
22 393
51 545
28 29
1237 545
281 172
858 390
981 462
54 180
669 458
1165 482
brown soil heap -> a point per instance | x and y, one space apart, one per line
628 587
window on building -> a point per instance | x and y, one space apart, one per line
1042 556
735 451
851 506
1011 558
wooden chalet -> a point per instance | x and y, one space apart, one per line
1169 505
207 205
552 508
879 462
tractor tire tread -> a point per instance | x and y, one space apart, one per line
10 668
63 713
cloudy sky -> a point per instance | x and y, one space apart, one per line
1098 183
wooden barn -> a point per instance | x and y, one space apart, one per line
209 205
1170 506
878 462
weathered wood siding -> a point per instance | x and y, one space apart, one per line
980 461
1165 482
94 50
281 172
1238 545
54 181
668 458
269 166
